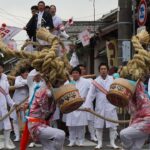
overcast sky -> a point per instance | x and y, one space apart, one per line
17 12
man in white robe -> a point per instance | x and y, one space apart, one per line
90 117
77 120
103 106
57 21
4 100
19 95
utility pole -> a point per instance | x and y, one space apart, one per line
92 43
124 30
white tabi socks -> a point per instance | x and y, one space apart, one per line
99 134
113 135
8 144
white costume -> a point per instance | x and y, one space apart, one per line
90 118
21 91
20 94
32 84
4 100
77 120
57 24
104 108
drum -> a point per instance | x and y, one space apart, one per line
68 99
121 91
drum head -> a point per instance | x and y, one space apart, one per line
117 99
71 106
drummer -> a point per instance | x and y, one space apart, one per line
103 106
21 92
41 112
134 136
77 120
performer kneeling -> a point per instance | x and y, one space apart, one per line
134 136
41 113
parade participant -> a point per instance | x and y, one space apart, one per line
83 69
34 10
77 120
57 21
20 94
47 9
4 100
28 28
41 113
40 19
90 117
134 136
102 106
34 78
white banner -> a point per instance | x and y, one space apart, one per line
7 32
74 61
85 38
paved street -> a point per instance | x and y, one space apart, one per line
90 146
81 148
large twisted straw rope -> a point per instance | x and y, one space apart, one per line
28 43
45 61
139 66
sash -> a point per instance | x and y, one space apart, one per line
97 85
3 91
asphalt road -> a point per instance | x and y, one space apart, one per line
89 145
105 146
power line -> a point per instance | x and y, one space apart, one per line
11 20
21 17
5 13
